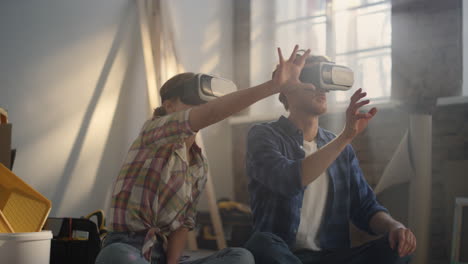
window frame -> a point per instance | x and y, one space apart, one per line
330 40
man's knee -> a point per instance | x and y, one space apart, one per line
393 258
385 254
265 237
270 248
404 260
264 240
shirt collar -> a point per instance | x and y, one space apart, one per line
196 148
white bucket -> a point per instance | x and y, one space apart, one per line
25 248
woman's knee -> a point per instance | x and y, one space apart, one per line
120 253
242 255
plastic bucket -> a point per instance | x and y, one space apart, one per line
25 248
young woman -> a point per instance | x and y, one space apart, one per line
156 192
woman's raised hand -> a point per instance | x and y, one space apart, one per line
286 76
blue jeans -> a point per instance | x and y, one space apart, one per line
268 248
125 248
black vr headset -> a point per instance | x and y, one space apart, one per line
328 76
201 89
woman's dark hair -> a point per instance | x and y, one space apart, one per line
171 89
310 60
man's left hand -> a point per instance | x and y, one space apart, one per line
404 239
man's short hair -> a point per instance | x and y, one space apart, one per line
312 59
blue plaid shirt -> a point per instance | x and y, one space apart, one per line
274 157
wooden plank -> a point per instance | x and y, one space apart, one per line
149 9
153 96
156 39
214 213
457 229
420 188
213 207
456 233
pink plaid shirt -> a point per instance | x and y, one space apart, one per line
157 190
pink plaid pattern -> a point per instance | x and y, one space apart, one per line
157 190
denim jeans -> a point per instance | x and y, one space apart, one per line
268 248
125 248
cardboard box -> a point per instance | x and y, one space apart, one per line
5 145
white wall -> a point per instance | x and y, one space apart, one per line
71 78
203 32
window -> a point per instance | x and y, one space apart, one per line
356 33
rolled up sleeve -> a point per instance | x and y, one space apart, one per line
268 166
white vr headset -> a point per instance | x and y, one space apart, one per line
201 89
328 76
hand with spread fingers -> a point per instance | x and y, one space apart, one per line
404 239
357 121
287 72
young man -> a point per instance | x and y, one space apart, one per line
306 185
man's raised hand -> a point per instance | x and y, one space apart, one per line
356 121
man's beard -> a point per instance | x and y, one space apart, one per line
314 109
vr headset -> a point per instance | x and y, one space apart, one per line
201 89
328 76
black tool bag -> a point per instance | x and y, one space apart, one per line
76 240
